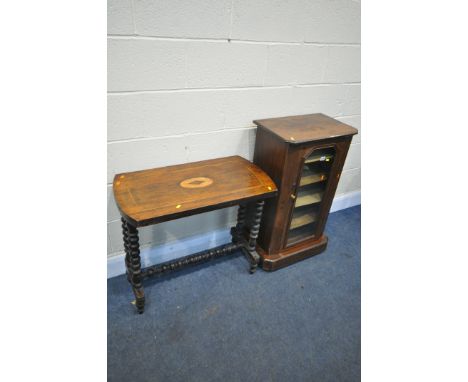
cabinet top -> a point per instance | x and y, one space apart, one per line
305 128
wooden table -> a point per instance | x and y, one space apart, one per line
162 194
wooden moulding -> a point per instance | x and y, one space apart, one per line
292 254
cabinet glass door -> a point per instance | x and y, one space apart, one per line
308 198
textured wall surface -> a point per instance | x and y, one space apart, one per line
186 79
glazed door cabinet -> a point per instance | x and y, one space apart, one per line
307 194
304 155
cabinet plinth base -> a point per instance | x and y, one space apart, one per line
291 255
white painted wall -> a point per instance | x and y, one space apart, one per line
186 79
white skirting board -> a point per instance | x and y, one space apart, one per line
193 244
170 251
348 200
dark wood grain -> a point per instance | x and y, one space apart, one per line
291 255
306 128
270 154
161 194
283 159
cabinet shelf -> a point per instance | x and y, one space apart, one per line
302 218
319 157
308 196
301 233
309 177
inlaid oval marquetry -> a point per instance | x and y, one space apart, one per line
199 182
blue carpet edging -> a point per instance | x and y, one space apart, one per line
217 322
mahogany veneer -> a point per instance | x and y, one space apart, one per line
304 155
161 194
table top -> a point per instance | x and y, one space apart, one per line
305 128
161 194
